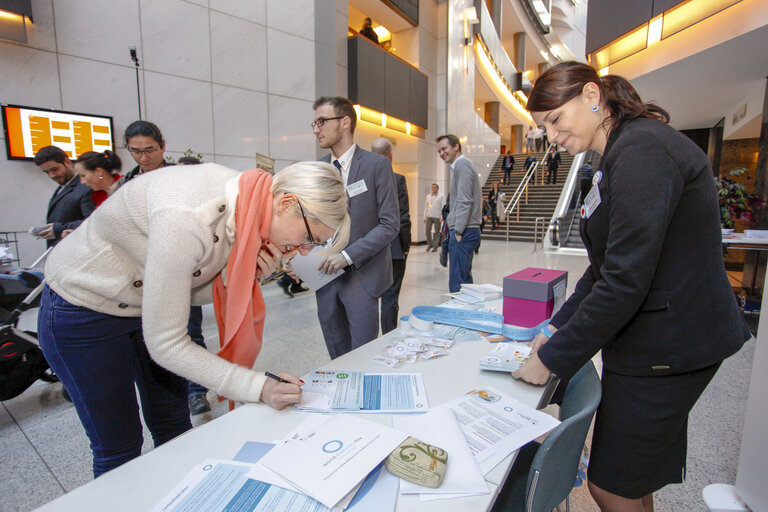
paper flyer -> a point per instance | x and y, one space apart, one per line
328 460
496 425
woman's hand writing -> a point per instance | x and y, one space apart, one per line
280 395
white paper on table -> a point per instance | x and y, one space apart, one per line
381 497
306 267
262 473
440 428
464 297
332 390
378 392
215 484
394 392
495 425
329 460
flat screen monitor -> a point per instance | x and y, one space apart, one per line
27 129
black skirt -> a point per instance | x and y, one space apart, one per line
640 439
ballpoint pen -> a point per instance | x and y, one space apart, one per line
279 379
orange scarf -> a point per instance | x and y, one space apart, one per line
239 306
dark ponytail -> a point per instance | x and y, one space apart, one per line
566 80
107 160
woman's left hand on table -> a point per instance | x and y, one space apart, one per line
533 371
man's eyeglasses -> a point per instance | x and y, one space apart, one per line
311 239
320 121
139 152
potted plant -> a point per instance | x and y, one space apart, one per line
735 202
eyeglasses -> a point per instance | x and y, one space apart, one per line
309 232
320 121
139 152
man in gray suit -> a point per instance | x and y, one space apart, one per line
466 204
348 306
71 203
399 246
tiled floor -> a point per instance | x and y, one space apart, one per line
44 451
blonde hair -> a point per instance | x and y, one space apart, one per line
320 188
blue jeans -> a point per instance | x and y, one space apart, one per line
98 358
460 257
195 331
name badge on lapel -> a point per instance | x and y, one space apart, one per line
356 188
593 200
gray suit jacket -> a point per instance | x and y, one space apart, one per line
375 220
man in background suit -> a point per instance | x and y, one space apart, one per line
71 203
465 216
508 163
348 306
399 245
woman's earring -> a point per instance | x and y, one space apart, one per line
595 107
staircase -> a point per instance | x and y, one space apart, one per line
542 199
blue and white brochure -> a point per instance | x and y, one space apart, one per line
369 392
328 459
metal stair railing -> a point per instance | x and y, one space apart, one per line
563 203
522 188
573 217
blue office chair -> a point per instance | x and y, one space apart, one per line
544 473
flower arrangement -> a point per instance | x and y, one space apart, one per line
735 202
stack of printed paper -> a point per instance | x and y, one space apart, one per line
338 391
328 458
483 292
506 357
495 425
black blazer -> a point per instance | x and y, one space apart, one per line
655 297
68 207
401 244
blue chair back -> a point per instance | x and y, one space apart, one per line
553 471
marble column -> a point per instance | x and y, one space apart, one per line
494 7
755 267
516 138
492 115
519 56
761 173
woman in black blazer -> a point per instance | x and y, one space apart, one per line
655 298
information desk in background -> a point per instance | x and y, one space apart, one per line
143 482
752 276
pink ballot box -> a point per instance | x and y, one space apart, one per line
533 295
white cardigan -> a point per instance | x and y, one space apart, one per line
152 249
